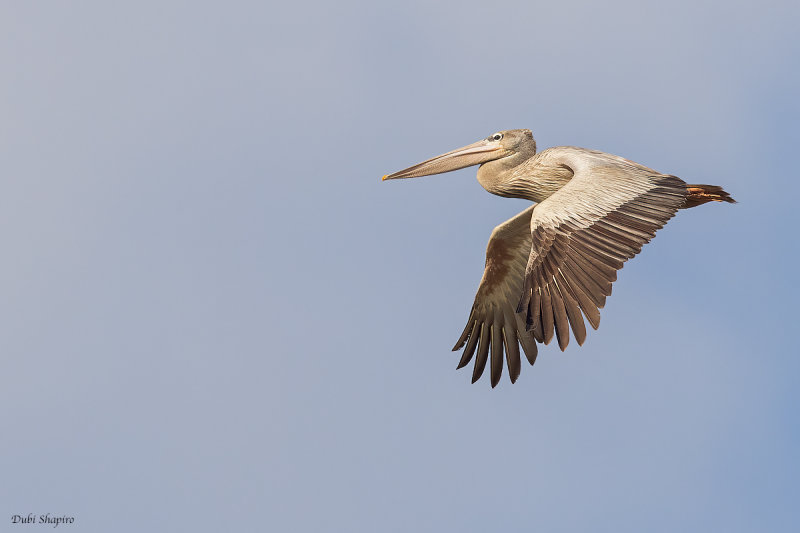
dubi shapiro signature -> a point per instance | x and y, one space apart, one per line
42 519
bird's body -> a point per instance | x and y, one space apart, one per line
553 264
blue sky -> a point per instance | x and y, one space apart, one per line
216 317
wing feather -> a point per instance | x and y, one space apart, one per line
469 351
560 321
546 314
571 306
467 330
584 232
483 353
512 350
497 354
527 342
493 326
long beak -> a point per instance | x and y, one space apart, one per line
473 154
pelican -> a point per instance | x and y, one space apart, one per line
553 264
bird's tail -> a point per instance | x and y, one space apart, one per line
700 194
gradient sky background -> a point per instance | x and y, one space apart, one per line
215 317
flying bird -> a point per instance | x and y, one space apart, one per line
553 264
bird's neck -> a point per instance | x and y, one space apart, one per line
500 176
527 176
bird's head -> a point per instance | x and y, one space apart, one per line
497 146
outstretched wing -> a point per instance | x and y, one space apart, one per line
493 322
584 232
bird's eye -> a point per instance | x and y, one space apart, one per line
496 137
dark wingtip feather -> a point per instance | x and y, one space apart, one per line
465 334
528 345
470 349
574 314
546 316
496 354
560 315
482 355
512 352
